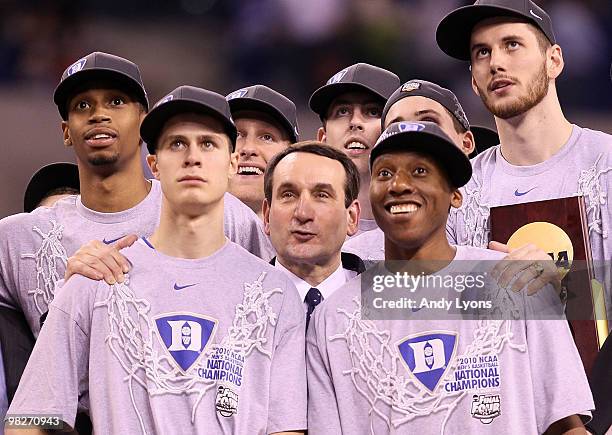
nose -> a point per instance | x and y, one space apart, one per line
247 147
497 61
193 156
357 120
303 211
99 114
401 183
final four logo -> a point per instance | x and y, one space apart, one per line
77 66
185 336
337 77
428 355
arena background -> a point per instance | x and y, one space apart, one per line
293 46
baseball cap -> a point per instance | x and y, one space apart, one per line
422 88
261 98
186 99
427 138
484 137
49 177
358 77
99 66
455 30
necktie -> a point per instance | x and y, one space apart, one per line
312 299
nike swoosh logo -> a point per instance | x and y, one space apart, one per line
181 287
533 13
517 193
414 310
108 242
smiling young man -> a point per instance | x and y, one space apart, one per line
189 343
433 375
310 208
515 62
267 124
350 105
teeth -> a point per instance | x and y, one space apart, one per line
356 146
250 170
101 136
404 208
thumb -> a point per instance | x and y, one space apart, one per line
125 242
501 247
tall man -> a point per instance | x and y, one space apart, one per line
426 374
515 62
350 105
267 123
190 343
310 208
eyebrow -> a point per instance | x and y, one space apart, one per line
211 137
318 186
504 39
400 118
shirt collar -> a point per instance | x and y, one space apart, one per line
337 279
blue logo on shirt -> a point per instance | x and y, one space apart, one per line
181 287
517 193
108 242
185 336
428 355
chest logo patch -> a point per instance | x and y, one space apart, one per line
185 336
485 407
428 356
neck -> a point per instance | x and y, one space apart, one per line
113 192
536 135
185 236
256 207
364 198
436 248
313 274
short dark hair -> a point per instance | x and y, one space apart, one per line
351 183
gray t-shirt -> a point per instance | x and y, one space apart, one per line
186 346
34 247
369 246
583 166
439 376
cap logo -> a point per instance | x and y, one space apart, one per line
165 100
410 86
410 126
337 77
533 13
237 94
295 129
76 67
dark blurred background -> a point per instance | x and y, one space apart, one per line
293 46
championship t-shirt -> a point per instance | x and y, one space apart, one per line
439 376
184 346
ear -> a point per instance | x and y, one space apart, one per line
468 143
352 218
321 137
266 216
554 61
233 165
152 161
66 134
474 87
456 198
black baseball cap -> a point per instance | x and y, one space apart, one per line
427 138
99 66
186 99
422 88
358 77
484 137
260 98
455 30
48 178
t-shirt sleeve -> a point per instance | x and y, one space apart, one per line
323 412
451 235
56 377
7 298
287 408
560 385
243 227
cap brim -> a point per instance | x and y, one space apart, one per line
253 104
48 178
455 30
450 157
67 87
322 98
154 122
